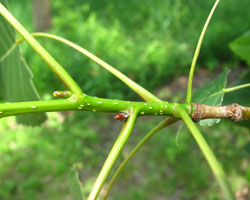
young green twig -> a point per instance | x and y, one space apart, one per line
196 54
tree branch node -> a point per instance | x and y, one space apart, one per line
234 112
197 112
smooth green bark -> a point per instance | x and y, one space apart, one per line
88 103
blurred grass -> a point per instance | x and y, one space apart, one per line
152 43
35 161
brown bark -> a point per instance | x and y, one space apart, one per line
42 14
234 112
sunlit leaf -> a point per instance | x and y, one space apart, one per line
241 47
212 94
16 78
75 184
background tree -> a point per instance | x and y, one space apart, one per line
42 15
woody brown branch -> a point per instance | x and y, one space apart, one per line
234 112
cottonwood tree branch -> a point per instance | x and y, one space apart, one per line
234 112
197 111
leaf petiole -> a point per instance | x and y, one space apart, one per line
232 89
113 155
142 92
196 54
209 155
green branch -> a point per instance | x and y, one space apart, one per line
196 54
209 155
88 103
13 109
61 73
142 92
149 135
113 155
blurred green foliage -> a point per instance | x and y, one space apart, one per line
35 161
33 158
152 42
241 47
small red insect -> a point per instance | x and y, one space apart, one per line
121 116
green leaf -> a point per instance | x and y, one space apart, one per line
15 76
212 94
241 96
75 184
241 47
